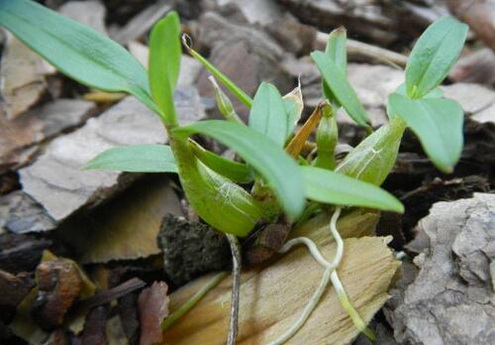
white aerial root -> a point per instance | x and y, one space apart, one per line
330 273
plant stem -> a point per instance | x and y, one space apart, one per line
235 248
191 302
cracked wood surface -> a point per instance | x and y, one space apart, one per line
272 297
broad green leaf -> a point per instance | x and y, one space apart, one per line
164 64
218 201
139 158
373 159
433 55
337 52
76 50
232 170
438 124
270 161
333 188
340 87
224 80
269 116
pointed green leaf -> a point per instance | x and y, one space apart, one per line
164 64
270 161
340 87
438 124
76 50
433 55
268 114
333 188
232 170
139 158
337 52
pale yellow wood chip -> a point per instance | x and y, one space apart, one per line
272 297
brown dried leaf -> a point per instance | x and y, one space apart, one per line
153 308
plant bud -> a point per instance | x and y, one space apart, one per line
223 103
218 201
373 159
327 136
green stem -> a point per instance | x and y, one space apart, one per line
191 302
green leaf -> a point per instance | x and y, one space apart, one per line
234 171
218 201
438 124
164 64
433 55
222 78
270 161
76 50
373 159
337 52
269 116
340 87
333 188
149 158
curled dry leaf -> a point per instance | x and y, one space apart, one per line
153 308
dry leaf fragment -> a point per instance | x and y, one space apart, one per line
153 308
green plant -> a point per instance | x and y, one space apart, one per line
284 184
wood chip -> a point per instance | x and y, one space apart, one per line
273 297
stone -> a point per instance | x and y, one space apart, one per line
56 180
450 301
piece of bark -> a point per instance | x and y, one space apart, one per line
125 228
272 297
480 15
21 253
56 180
153 308
293 36
90 13
37 125
13 289
59 285
478 67
451 299
127 311
94 329
22 73
142 22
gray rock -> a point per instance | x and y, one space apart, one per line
91 13
38 125
56 180
451 299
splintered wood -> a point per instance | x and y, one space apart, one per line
273 296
